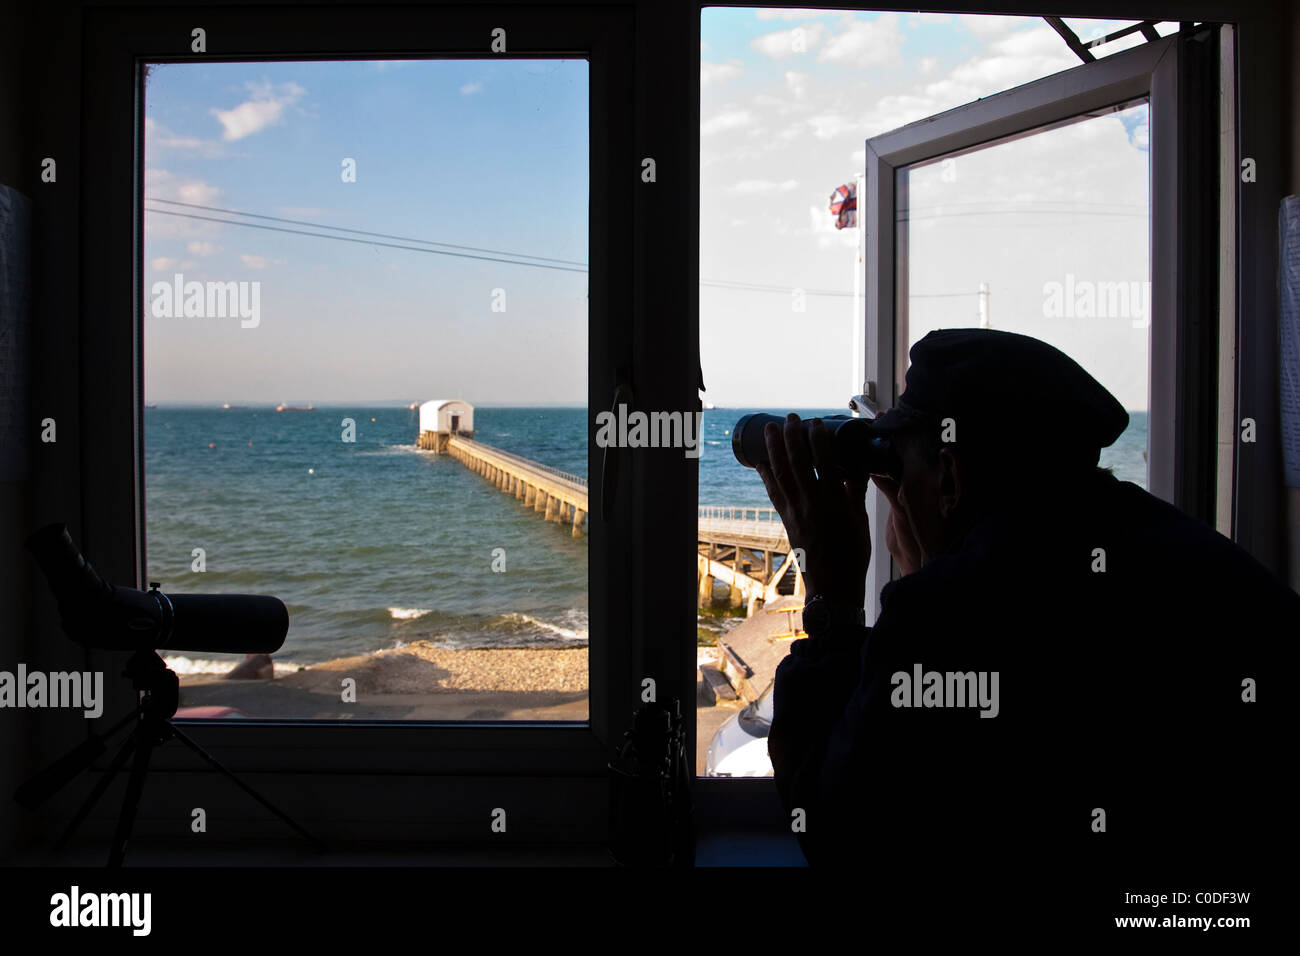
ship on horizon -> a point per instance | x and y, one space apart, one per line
294 408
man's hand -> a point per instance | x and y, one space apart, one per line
899 539
824 516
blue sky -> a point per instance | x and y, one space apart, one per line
481 153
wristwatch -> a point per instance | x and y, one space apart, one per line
822 616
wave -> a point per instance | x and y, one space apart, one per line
569 634
408 613
199 665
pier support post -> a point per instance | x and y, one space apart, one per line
706 584
530 494
539 500
578 515
552 507
735 597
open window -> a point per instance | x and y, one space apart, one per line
1082 209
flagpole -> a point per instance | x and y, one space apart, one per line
859 357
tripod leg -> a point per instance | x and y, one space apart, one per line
119 760
246 788
49 781
144 744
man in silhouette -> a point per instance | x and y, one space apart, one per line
1065 671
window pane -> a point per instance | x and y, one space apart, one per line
1047 235
365 370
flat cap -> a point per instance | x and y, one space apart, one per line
1005 388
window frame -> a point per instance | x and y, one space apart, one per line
466 766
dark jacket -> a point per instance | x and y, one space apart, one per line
1118 690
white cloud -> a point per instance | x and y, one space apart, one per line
891 112
469 89
866 43
1019 57
157 136
201 248
830 125
162 184
260 262
762 186
265 107
786 43
796 83
162 263
729 119
719 72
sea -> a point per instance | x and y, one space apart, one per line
374 543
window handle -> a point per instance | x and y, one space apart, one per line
609 463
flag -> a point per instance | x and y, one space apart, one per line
844 206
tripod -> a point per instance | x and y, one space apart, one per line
158 695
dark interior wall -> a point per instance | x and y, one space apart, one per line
40 84
14 611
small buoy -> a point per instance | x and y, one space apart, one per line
311 471
726 431
372 419
250 444
212 444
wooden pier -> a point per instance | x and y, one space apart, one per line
747 549
556 495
